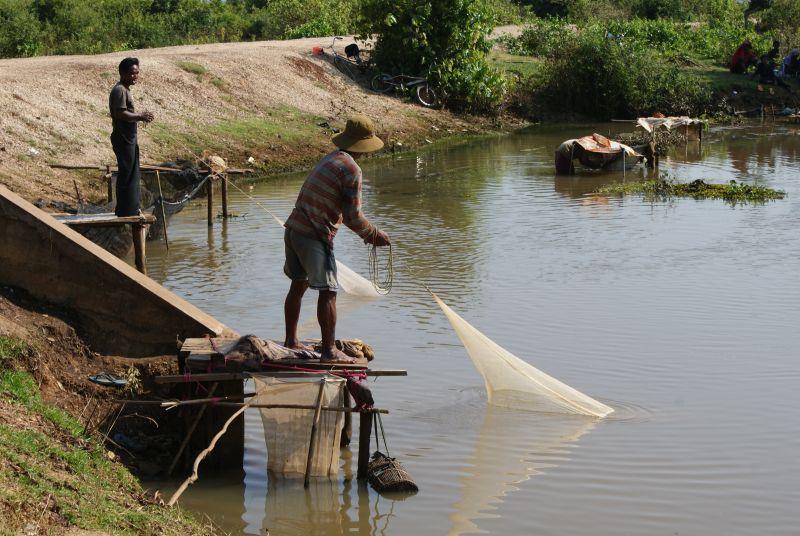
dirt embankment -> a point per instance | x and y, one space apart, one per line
56 475
273 101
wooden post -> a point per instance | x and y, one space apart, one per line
314 425
364 435
109 183
163 212
651 155
347 429
210 191
224 185
138 246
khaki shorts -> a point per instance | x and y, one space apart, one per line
307 259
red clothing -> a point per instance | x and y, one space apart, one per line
742 54
330 195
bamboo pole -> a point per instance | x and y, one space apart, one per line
224 188
194 476
312 439
170 405
210 191
163 212
109 184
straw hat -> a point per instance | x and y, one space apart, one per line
358 136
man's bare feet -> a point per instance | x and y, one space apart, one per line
297 345
337 356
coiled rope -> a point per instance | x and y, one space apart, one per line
383 287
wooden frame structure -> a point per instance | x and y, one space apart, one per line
138 225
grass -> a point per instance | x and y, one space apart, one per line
731 192
12 349
522 66
192 68
241 135
52 475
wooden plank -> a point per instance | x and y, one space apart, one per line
223 376
148 167
105 219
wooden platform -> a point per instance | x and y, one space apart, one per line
201 355
138 225
104 219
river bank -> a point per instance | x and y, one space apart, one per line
272 102
56 473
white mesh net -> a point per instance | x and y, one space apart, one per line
511 382
288 431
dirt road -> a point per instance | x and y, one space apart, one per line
261 99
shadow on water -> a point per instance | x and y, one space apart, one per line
511 448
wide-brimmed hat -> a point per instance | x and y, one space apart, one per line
358 136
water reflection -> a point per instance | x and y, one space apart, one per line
511 448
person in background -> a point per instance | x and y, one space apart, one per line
791 64
124 120
743 58
765 70
330 195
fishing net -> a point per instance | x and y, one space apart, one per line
288 431
513 383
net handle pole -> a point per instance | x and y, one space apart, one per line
312 441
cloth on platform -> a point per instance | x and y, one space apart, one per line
351 347
250 352
652 123
288 431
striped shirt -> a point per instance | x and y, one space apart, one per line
330 195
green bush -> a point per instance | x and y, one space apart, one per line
21 29
543 38
714 40
604 79
446 40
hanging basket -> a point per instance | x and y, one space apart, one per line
387 474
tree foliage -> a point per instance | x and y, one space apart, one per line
446 40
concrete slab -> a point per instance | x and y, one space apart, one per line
121 311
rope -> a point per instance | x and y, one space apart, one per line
381 287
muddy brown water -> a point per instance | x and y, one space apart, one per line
681 314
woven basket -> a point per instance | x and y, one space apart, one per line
387 474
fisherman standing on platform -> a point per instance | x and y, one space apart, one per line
124 121
330 195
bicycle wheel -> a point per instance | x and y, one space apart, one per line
380 83
343 67
426 96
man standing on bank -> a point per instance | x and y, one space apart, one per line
124 121
330 195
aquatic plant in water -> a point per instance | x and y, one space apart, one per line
733 192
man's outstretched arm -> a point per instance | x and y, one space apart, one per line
355 219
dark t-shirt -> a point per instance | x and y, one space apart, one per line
121 99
